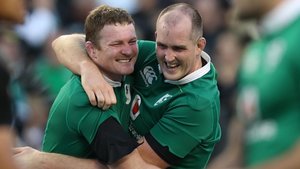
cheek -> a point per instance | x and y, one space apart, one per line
135 50
159 54
188 60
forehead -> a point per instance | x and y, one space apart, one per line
174 21
174 18
113 32
174 26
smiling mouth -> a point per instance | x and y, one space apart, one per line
124 60
171 66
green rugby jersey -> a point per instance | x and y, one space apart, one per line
182 115
269 100
73 122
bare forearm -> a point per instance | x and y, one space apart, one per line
59 161
70 51
132 161
29 158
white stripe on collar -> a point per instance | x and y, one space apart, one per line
280 16
196 74
111 82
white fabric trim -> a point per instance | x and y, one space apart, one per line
111 82
196 74
280 16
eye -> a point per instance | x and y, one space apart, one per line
178 48
161 46
115 44
133 42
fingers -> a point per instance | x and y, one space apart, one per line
99 92
91 97
18 150
113 97
106 98
100 98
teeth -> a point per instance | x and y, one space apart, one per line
171 65
124 60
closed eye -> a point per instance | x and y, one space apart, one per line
179 48
116 44
132 42
162 46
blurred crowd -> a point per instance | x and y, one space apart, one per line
37 76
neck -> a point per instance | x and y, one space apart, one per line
198 63
112 76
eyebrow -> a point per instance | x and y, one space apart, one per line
179 46
159 43
173 46
121 41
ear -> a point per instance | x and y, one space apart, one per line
201 43
91 50
155 34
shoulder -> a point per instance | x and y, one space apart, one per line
74 92
146 48
198 101
146 54
146 44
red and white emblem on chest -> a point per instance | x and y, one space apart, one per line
135 107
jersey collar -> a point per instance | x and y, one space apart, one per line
196 74
111 82
280 17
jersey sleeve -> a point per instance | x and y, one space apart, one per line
83 118
183 127
102 130
112 142
86 119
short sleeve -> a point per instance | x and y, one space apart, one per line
183 127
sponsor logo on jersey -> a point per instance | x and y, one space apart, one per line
163 99
135 107
148 75
127 93
135 134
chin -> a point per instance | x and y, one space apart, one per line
170 76
127 72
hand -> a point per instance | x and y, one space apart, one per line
26 158
100 93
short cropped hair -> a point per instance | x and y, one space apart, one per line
101 16
192 13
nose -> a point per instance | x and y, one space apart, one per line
169 55
127 50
